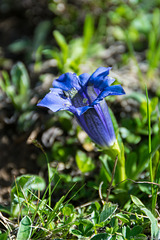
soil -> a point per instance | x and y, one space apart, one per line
17 21
17 158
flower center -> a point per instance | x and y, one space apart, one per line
85 100
70 93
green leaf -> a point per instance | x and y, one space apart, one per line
131 168
76 232
20 45
60 39
135 231
20 79
156 167
139 97
84 163
67 210
41 33
107 212
25 229
38 183
95 217
4 236
144 155
105 173
26 182
20 190
123 217
126 232
88 30
144 187
6 86
102 236
153 220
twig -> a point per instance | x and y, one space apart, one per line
113 173
137 182
100 193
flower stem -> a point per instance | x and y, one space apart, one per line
154 192
121 166
118 151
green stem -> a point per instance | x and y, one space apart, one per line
121 166
154 194
113 152
49 180
37 144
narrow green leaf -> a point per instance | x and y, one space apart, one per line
123 217
153 220
56 208
41 33
60 39
88 30
59 203
25 229
20 79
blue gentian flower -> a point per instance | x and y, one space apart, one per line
84 96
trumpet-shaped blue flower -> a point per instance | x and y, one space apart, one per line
84 96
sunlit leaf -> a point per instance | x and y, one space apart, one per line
107 212
102 236
25 229
85 164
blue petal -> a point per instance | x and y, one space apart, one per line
67 82
81 103
112 90
100 72
98 125
81 110
108 122
54 101
92 93
100 78
84 79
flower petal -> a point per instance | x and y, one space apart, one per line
80 102
81 110
67 82
84 79
97 125
54 101
111 90
101 71
100 78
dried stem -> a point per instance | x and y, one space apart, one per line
113 173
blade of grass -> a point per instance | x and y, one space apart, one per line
154 193
41 200
57 206
37 144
